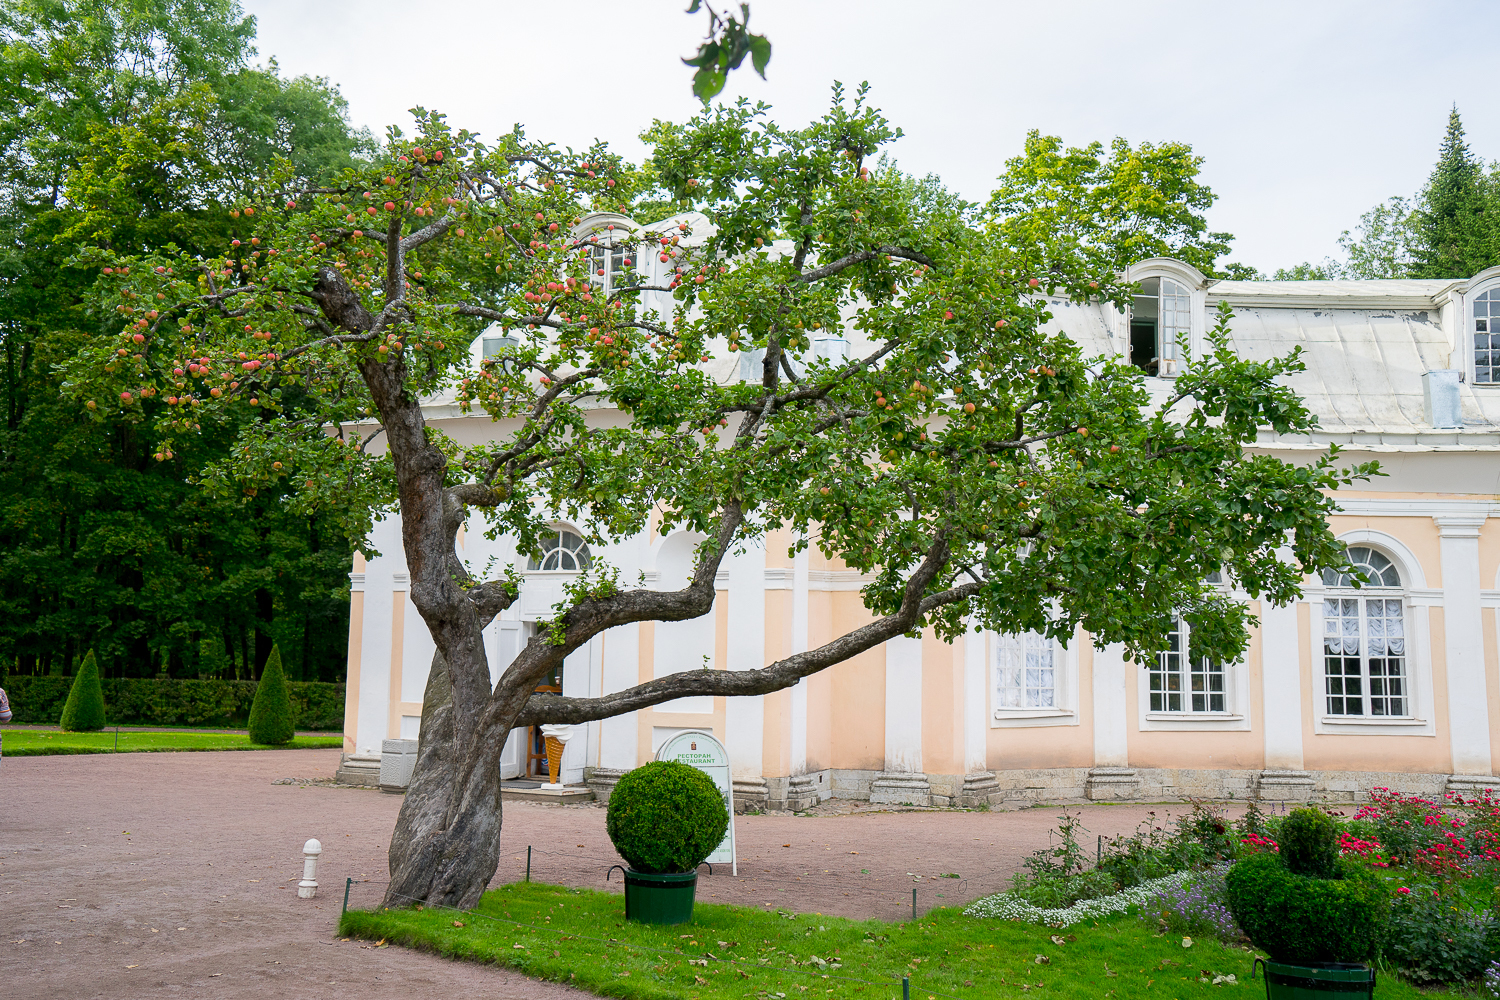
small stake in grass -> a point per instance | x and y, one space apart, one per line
906 986
914 904
528 862
308 887
348 884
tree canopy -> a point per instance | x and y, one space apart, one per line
1065 209
128 126
966 457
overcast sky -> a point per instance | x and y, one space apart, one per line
1308 113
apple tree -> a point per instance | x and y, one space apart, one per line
967 458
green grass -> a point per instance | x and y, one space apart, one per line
35 742
580 936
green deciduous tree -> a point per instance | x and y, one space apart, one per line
83 712
1064 210
129 125
271 721
970 459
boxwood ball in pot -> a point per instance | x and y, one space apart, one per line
665 817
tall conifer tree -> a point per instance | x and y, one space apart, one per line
1455 222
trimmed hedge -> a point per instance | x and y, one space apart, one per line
665 817
163 701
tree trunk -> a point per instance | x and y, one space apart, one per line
435 857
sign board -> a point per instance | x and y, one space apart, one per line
699 749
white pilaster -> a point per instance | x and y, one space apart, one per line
976 716
1111 720
903 780
1463 636
619 668
903 704
799 645
744 718
1281 687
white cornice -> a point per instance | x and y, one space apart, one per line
1474 511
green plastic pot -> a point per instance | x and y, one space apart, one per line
659 899
1318 982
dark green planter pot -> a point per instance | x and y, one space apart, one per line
1324 981
659 899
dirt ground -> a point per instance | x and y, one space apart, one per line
211 909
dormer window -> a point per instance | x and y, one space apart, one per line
609 261
1160 317
562 551
1487 336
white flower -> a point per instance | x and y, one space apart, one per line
1007 906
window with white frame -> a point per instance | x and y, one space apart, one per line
561 551
1026 672
1160 318
610 260
1364 639
1183 680
1487 336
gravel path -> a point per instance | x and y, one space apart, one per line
165 874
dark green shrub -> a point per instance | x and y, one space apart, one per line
163 701
84 710
1299 919
1439 938
271 712
1309 840
666 817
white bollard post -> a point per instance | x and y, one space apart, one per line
308 887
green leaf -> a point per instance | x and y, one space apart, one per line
708 82
760 53
708 55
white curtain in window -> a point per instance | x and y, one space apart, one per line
1025 671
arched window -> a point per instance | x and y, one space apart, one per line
1025 671
1160 317
1487 336
1364 639
561 551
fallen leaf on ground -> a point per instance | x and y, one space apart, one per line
458 923
132 966
1043 960
1059 940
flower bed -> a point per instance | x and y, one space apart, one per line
1439 860
1010 906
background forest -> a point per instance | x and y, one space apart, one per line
131 125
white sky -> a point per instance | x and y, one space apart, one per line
1308 113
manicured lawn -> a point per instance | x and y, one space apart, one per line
580 936
32 742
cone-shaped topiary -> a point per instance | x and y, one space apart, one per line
666 817
84 710
271 711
